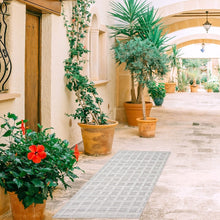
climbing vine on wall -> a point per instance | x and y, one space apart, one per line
89 103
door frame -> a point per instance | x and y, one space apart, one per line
39 15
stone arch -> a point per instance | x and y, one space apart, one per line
176 8
197 41
189 24
94 22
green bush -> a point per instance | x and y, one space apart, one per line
191 81
204 79
156 90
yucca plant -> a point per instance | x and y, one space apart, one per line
174 61
126 15
136 18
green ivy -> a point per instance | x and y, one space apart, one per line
89 103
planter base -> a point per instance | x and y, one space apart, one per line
4 201
194 88
170 87
134 111
147 127
97 139
158 101
33 212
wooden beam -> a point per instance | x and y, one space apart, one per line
46 6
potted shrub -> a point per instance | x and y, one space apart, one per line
216 87
146 62
31 165
193 85
209 85
157 92
170 86
136 19
97 130
182 82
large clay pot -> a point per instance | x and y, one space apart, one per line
170 87
134 111
98 139
209 90
147 127
33 212
4 201
194 88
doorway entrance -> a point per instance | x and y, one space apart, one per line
32 70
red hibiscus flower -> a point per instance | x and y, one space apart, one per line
76 152
22 127
74 20
37 153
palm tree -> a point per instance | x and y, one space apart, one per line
137 19
174 61
126 15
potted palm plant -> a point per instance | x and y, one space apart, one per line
135 18
97 131
170 86
144 59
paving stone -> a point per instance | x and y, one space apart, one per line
120 189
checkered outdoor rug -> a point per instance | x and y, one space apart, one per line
120 189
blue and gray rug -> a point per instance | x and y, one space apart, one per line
120 189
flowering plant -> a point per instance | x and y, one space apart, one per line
32 163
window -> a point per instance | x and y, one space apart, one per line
98 54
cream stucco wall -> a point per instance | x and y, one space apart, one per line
56 100
16 49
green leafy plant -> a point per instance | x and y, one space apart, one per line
89 102
174 62
32 163
209 85
216 88
182 82
191 81
143 59
204 79
197 81
156 90
136 19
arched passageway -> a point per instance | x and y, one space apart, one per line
184 25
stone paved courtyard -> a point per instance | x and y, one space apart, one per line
189 186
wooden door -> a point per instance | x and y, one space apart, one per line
32 71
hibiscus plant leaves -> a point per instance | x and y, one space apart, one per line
33 182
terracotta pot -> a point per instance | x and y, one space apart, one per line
97 139
4 201
194 88
33 212
209 90
170 87
134 111
147 127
